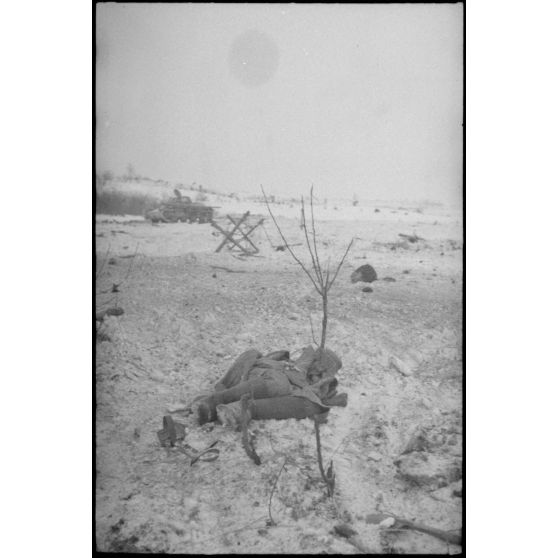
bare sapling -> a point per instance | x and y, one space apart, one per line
322 281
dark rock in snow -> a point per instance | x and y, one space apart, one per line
365 273
429 470
343 530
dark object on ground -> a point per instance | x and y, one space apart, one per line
112 261
115 311
247 436
210 453
365 273
227 269
343 530
172 431
283 247
367 290
180 209
406 271
279 388
388 279
411 237
453 537
102 336
376 210
114 288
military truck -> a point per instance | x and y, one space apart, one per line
180 209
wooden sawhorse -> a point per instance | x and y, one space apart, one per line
241 228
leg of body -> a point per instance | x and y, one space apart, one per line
258 388
285 407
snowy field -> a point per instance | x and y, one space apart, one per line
189 312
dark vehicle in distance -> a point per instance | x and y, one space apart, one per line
180 209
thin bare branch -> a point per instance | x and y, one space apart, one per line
314 234
271 521
329 481
305 228
329 284
312 329
288 247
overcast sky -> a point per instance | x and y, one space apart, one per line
357 99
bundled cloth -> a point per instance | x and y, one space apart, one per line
279 388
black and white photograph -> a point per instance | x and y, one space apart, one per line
278 278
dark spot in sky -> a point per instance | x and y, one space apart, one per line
253 58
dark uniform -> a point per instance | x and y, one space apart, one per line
279 388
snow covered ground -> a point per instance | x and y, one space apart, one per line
185 320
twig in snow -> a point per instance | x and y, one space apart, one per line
271 522
329 477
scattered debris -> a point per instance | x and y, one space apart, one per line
429 470
417 442
228 270
365 273
211 453
387 522
172 432
343 530
102 336
384 520
411 237
114 311
400 366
